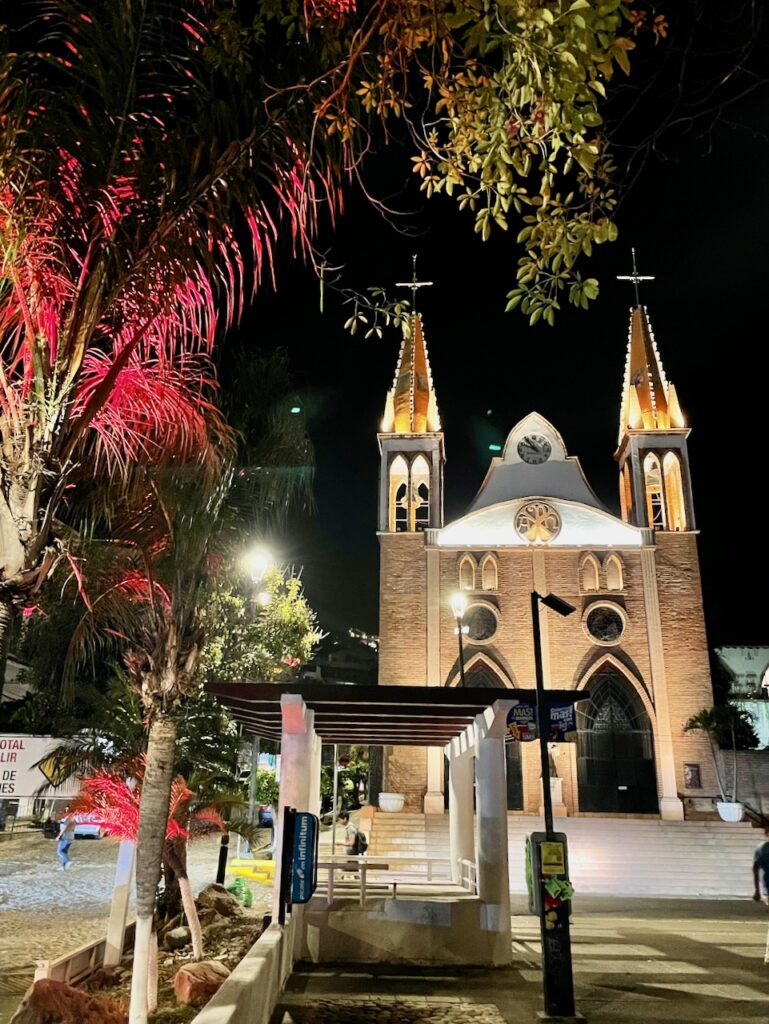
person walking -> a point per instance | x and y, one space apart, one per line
350 835
761 879
64 840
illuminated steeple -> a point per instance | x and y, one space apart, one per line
649 401
655 485
411 406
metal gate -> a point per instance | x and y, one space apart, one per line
615 750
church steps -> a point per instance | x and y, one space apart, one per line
614 856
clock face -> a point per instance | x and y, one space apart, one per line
534 449
605 624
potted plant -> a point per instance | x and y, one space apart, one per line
725 725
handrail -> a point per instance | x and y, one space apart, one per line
363 865
468 875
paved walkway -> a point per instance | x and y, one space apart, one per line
635 961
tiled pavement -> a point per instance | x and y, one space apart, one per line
635 961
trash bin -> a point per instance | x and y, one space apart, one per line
50 829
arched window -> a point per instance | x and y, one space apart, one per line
467 573
626 493
399 495
613 570
483 675
420 493
588 574
674 492
655 504
489 573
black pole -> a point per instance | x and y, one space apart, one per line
557 973
543 717
461 652
221 870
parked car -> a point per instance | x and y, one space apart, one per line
87 830
264 817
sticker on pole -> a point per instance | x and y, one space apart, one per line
553 858
522 722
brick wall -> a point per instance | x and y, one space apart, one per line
402 610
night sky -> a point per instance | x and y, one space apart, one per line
698 217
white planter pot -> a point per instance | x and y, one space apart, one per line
392 802
729 811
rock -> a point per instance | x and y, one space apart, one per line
194 984
216 930
216 898
178 938
53 1002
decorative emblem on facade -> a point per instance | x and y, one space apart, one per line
537 522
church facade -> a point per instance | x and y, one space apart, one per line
636 645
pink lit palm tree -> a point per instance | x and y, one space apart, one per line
111 800
135 207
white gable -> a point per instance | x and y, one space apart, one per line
581 526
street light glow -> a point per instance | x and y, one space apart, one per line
459 605
263 598
259 561
295 409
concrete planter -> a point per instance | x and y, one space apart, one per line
729 811
392 802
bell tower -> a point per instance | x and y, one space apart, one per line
411 443
653 457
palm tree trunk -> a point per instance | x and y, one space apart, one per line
152 974
153 819
7 616
193 920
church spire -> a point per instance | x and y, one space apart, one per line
649 401
411 406
655 484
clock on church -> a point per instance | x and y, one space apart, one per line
534 449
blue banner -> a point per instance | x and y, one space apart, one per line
304 875
522 722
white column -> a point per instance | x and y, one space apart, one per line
491 804
118 912
313 794
461 814
297 755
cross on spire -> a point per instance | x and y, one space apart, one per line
413 284
635 277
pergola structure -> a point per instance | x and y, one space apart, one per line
470 725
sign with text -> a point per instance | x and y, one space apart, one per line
22 776
522 723
563 723
304 874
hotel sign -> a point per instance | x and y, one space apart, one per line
25 772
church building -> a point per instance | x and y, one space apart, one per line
636 645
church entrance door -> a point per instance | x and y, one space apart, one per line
615 749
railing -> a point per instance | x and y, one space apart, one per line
374 875
78 965
468 875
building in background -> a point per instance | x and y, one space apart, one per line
636 645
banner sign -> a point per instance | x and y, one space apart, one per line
20 778
304 875
563 723
522 723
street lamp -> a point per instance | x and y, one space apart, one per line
557 974
459 607
259 562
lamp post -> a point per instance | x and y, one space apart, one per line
557 974
258 562
459 607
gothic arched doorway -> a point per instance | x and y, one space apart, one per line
615 749
482 674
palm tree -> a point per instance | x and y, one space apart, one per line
126 190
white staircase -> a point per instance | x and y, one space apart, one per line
612 856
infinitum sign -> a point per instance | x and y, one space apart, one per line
24 770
